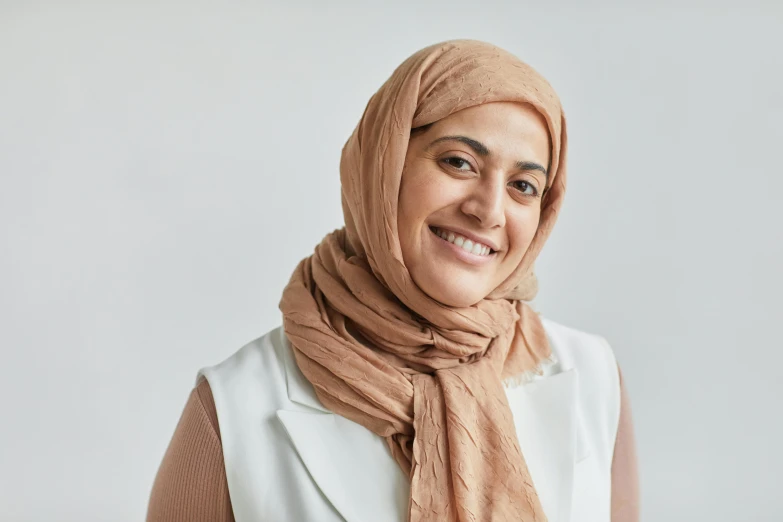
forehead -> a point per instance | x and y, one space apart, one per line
503 127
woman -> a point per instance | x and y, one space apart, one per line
410 380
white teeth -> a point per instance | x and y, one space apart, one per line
465 244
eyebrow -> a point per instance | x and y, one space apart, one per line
482 150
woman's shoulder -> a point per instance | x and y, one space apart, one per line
268 354
593 359
266 364
258 380
578 348
260 356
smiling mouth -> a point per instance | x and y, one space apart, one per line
469 246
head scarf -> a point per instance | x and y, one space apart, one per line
378 350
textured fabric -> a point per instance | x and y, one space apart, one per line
191 487
625 472
381 352
191 482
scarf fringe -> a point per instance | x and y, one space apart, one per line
529 376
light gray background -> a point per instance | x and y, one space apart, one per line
162 170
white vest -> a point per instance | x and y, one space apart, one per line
288 458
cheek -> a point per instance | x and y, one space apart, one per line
412 207
421 194
522 226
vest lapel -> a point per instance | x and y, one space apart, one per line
352 466
355 470
548 430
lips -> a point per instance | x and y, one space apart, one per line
459 241
466 235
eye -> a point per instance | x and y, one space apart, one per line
457 163
525 187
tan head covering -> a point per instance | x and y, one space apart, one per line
379 351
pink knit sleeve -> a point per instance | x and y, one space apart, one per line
191 482
625 472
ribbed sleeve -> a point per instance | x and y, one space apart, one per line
191 482
625 473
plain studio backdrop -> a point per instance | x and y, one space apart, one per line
163 169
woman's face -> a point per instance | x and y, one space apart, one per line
470 199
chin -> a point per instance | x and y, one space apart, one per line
462 303
444 292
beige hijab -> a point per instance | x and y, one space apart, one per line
379 351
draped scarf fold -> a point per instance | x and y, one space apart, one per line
425 376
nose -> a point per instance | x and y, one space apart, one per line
486 203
